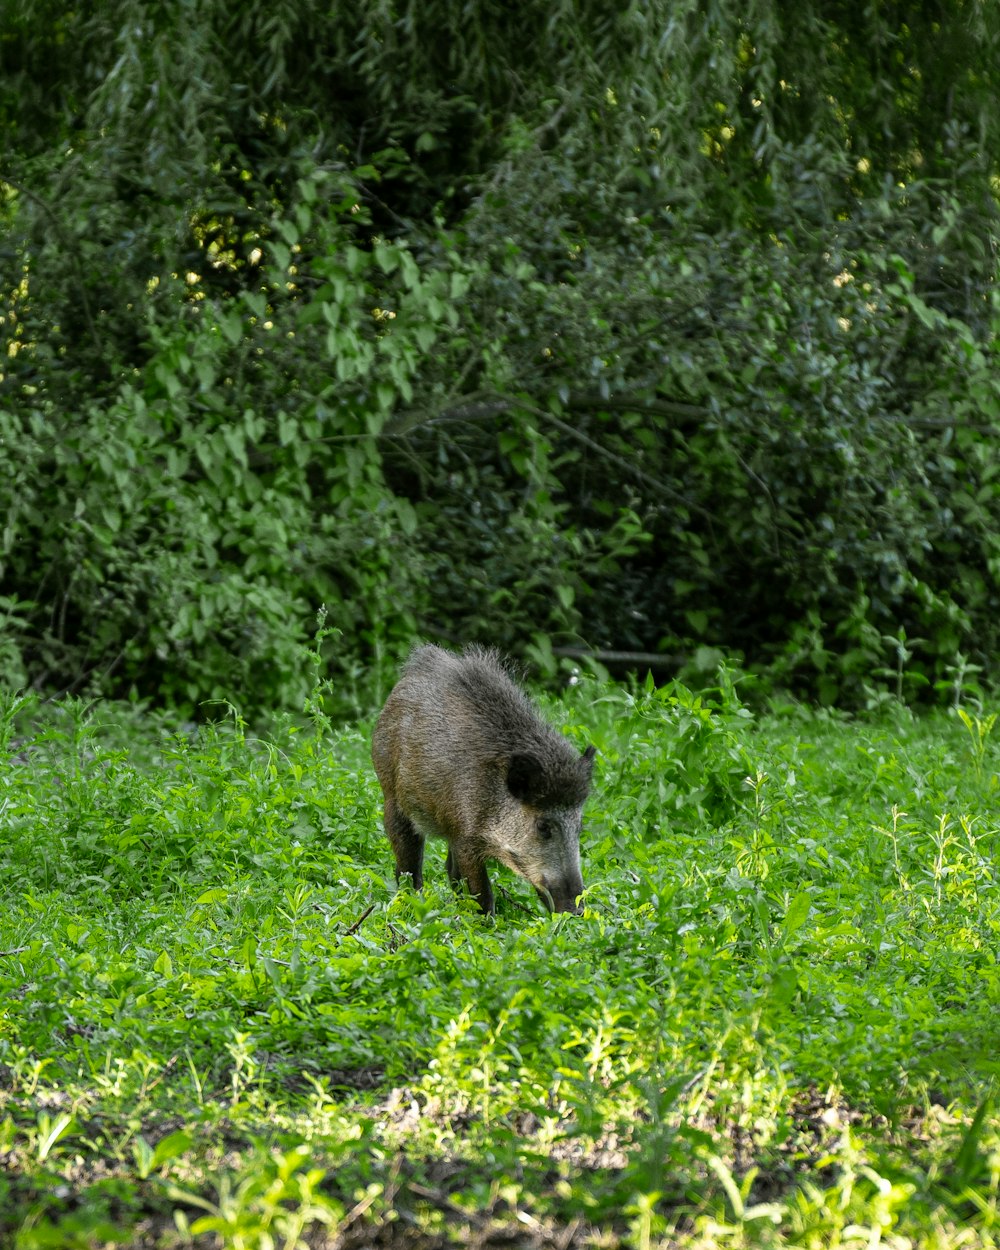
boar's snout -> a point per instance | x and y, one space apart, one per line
562 896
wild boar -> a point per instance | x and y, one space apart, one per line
461 753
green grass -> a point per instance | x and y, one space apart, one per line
775 1025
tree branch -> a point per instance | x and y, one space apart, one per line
485 407
653 658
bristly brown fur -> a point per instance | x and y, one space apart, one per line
506 723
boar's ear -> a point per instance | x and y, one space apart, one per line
524 776
588 757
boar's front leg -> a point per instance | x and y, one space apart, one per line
407 844
465 867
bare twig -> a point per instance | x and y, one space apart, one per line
357 1211
568 1235
624 403
653 658
388 1196
944 423
473 408
514 902
485 407
444 1203
613 458
482 406
360 921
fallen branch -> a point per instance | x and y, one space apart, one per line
360 920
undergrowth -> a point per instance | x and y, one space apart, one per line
774 1025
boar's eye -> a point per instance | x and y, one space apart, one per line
546 828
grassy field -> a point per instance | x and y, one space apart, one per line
775 1025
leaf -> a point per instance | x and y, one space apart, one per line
171 1147
215 895
387 258
797 913
728 1183
232 327
142 1152
204 371
51 1131
969 1159
425 336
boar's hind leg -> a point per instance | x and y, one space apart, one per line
407 844
473 872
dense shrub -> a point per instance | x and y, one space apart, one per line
657 328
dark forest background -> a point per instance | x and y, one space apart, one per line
659 327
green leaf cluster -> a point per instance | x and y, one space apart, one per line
645 330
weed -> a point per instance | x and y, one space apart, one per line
774 1024
979 730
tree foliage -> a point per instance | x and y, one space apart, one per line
651 327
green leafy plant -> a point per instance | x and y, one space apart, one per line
772 1023
979 730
